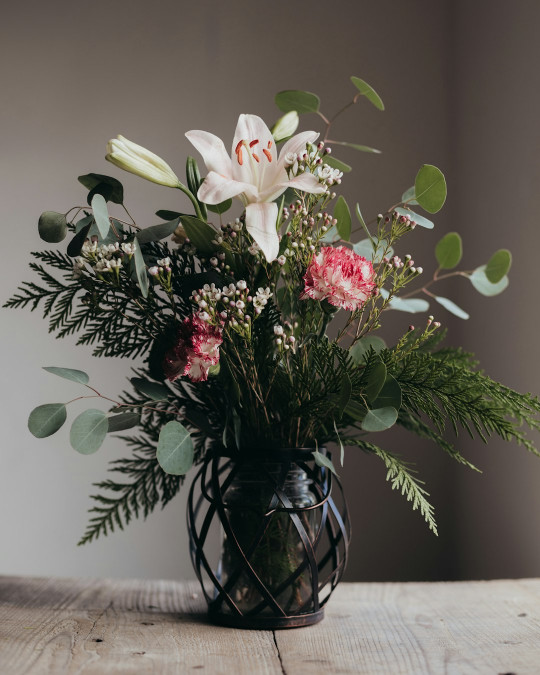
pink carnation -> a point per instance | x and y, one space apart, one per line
196 349
340 276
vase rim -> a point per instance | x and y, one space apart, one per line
269 454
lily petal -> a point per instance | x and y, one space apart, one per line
212 150
250 164
261 224
296 144
306 182
216 189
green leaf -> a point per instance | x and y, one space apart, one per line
337 164
75 245
341 448
356 410
365 249
324 461
123 421
390 395
294 99
101 215
193 179
88 431
409 196
139 268
102 189
380 419
45 420
157 232
366 90
343 215
362 221
483 285
361 148
451 307
361 349
498 266
220 208
430 188
152 390
175 449
200 234
92 180
418 219
410 305
331 236
68 374
168 215
375 381
52 227
449 251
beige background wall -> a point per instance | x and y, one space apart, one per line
460 84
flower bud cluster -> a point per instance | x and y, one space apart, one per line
329 176
284 338
161 272
104 259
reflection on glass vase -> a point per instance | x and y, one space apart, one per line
285 538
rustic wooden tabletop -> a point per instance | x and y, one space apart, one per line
90 626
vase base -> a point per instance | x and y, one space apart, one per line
266 622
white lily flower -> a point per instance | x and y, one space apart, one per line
256 175
285 126
140 161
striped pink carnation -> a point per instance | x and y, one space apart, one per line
196 349
340 276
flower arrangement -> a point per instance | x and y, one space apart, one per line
260 331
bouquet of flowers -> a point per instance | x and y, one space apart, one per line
260 330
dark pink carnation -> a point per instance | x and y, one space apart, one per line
196 349
340 276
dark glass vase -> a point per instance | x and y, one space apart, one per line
284 537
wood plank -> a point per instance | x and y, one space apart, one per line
109 626
451 628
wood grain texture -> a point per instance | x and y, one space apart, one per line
90 627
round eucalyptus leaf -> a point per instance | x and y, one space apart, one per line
483 285
220 208
360 349
418 219
498 266
165 214
45 420
52 227
69 374
138 267
92 180
152 390
103 189
390 394
380 419
157 232
343 217
294 99
88 431
451 307
375 380
175 449
409 196
367 90
101 215
430 188
123 421
410 305
449 251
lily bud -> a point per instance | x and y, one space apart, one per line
140 161
285 126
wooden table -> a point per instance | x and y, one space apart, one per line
87 626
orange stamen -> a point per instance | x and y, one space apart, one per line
240 143
269 144
267 154
253 143
256 157
239 155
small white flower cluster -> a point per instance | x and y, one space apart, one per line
218 306
261 299
297 163
283 340
161 266
329 176
104 258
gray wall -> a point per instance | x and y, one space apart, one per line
459 80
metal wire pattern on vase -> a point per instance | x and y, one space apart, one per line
285 530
